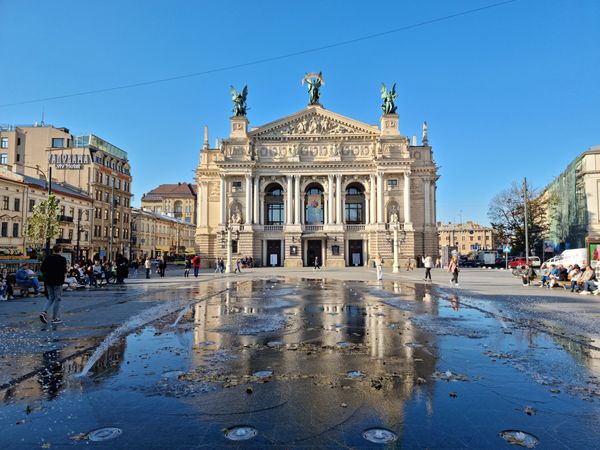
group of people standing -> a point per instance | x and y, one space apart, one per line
428 263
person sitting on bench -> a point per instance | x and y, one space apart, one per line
25 280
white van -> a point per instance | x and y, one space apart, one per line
570 257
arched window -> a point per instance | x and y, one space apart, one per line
355 204
178 209
314 204
274 210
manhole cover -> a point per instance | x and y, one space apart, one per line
263 373
520 438
240 433
380 435
355 374
104 434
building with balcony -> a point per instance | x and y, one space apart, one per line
466 237
316 184
86 162
20 194
154 234
174 200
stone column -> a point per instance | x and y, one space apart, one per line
288 203
256 195
330 199
427 199
372 200
367 211
248 198
407 218
380 218
222 219
338 199
297 199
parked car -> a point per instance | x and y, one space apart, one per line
514 263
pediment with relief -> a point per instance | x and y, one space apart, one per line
314 121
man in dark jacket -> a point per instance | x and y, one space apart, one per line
53 268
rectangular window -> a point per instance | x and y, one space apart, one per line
354 213
234 246
236 186
70 234
31 205
106 214
17 204
4 158
105 231
275 214
18 141
392 183
4 142
15 230
87 214
5 202
18 157
58 142
61 233
4 229
106 197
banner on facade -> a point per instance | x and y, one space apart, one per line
314 209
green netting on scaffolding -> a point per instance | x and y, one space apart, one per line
568 210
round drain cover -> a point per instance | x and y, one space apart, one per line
104 434
380 435
240 433
520 438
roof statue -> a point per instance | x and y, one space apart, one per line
388 97
314 81
239 101
425 137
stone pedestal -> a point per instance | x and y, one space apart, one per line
390 125
239 127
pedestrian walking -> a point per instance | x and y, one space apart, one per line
317 265
428 264
188 266
409 264
54 268
147 266
453 269
162 265
379 267
238 266
196 265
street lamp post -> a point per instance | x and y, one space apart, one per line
395 266
228 265
398 237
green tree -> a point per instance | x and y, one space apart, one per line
43 223
507 216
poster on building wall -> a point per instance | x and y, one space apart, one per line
314 209
594 253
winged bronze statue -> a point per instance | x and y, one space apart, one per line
314 81
239 101
388 97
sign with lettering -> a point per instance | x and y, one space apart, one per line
69 160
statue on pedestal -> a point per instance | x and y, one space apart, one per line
314 81
388 97
236 218
239 101
394 216
425 137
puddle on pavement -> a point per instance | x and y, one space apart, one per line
316 363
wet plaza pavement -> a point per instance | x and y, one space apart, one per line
284 362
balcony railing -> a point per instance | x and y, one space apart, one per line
273 227
63 218
355 227
313 228
390 226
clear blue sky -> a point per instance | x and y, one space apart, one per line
507 92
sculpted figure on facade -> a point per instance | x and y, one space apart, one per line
236 217
314 81
239 101
425 137
388 97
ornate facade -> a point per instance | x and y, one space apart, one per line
316 184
